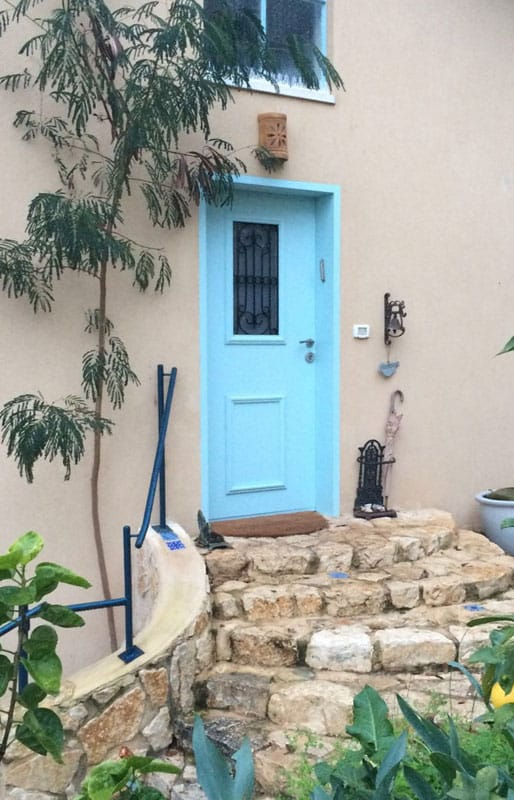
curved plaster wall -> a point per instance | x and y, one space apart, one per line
110 703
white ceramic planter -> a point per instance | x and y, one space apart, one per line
492 514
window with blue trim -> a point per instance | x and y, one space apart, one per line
305 19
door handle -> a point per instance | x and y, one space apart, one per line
307 342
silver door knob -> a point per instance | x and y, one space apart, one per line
307 342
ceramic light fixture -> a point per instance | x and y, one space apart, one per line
273 134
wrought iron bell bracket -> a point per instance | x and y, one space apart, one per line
394 314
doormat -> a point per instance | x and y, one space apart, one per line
272 526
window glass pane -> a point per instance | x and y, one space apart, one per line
212 6
255 279
298 17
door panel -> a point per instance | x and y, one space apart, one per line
261 273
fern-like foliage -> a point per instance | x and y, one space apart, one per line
33 429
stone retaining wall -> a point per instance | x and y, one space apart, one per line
111 704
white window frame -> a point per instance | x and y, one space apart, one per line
321 95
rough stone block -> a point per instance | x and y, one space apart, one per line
225 605
224 565
443 591
345 648
319 706
42 773
118 724
268 602
282 559
264 646
374 552
243 692
408 548
485 580
404 594
155 684
411 648
351 598
334 557
158 732
309 601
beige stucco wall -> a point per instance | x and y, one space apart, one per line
421 145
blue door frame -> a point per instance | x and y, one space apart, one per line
327 235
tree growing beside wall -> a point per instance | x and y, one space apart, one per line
117 90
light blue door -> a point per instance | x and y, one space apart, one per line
261 366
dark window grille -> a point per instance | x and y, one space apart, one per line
255 279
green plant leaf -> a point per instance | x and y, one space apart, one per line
421 787
435 739
22 551
157 765
59 615
473 623
46 671
31 696
107 778
390 764
244 778
61 574
371 726
41 731
13 596
469 675
508 347
5 673
445 765
41 642
318 793
212 769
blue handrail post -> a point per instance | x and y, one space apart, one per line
159 458
162 471
23 677
131 650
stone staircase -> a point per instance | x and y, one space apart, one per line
302 623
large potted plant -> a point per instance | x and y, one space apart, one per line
497 507
497 516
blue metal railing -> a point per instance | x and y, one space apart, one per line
131 650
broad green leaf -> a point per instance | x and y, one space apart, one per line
13 596
45 671
421 788
391 762
28 547
41 642
5 673
435 739
6 613
22 551
244 778
107 778
41 731
319 793
469 675
213 772
31 696
445 765
371 725
60 615
6 574
61 574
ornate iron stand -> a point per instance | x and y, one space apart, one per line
369 502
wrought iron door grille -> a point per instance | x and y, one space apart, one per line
255 279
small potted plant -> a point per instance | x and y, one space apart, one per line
497 507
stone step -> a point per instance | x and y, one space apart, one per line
347 544
435 580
